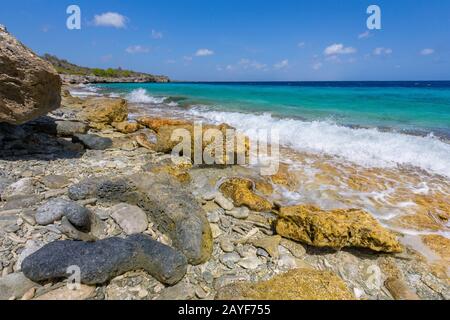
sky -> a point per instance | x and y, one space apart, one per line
243 40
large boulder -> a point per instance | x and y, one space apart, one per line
101 113
29 86
335 229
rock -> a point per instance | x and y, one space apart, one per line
216 231
70 128
298 284
175 167
54 209
29 294
226 245
270 244
223 202
181 291
23 187
29 86
250 263
175 211
296 249
335 229
142 141
241 192
102 112
241 213
105 259
400 290
15 285
156 123
92 141
64 293
284 177
126 127
209 196
131 219
229 259
73 233
22 202
213 217
31 247
55 181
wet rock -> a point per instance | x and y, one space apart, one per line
31 247
55 181
223 202
105 259
64 293
335 229
54 209
241 192
30 86
131 219
299 284
93 142
70 128
175 211
15 285
23 187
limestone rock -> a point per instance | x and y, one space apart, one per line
126 127
21 188
335 229
241 192
270 244
297 284
102 112
29 86
93 142
131 219
70 128
64 293
156 123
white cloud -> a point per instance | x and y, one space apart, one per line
110 19
317 65
157 34
301 44
427 51
204 52
380 51
137 49
281 65
364 35
338 48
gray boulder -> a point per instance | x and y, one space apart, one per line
105 259
29 86
92 141
54 209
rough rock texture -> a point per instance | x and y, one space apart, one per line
156 123
126 127
175 211
336 229
70 128
105 259
29 86
15 285
93 142
131 219
65 294
102 112
55 209
241 192
297 284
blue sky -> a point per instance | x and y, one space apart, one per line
231 40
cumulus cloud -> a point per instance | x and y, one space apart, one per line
338 48
426 51
381 51
110 19
137 49
204 53
281 65
157 34
364 35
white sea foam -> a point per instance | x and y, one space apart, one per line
141 96
366 147
85 91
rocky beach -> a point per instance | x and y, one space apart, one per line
89 182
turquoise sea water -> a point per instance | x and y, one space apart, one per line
414 106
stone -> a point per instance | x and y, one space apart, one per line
73 233
100 113
15 285
250 263
223 202
126 127
229 259
295 248
92 141
213 217
105 259
241 191
22 202
241 213
29 294
156 123
55 181
216 231
297 284
400 290
209 196
54 209
70 128
142 141
226 245
284 177
31 246
175 211
270 244
64 293
175 167
335 229
181 291
29 86
131 219
23 187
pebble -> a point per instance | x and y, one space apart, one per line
229 259
226 245
216 231
224 202
297 249
209 196
201 293
213 217
250 263
131 219
241 213
29 294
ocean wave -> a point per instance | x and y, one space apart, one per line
85 91
366 147
141 96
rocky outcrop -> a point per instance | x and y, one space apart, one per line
126 127
175 211
76 79
241 192
156 123
101 113
335 229
297 284
105 259
29 86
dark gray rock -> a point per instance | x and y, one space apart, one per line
54 209
176 211
70 128
105 259
92 141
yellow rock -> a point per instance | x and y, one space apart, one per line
142 141
270 244
156 123
441 246
241 192
297 284
284 177
264 187
177 170
400 290
335 229
126 127
102 112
